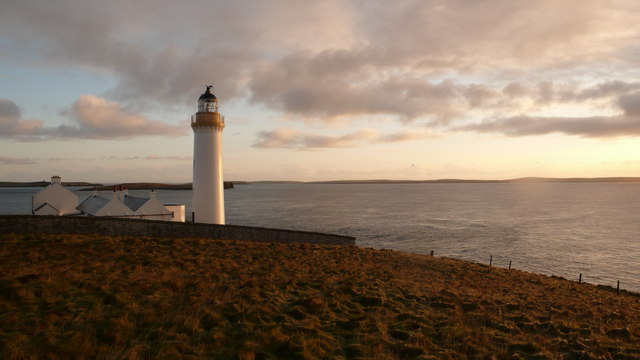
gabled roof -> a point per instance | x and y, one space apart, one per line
56 188
46 204
93 204
134 203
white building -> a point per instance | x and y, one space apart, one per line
208 189
123 205
55 199
177 210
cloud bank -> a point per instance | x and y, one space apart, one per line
291 138
31 160
100 119
627 123
435 63
11 123
16 161
90 117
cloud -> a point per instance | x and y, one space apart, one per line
9 109
630 104
157 56
291 138
11 122
597 126
515 90
97 118
282 137
299 85
31 161
91 117
344 58
17 161
152 157
608 89
626 123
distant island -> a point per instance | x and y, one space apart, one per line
230 184
152 186
92 186
455 181
44 183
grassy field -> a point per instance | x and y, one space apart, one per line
85 296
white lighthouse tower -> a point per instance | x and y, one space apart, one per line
208 189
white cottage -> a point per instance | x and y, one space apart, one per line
55 199
96 205
150 208
123 205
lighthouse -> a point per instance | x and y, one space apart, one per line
208 190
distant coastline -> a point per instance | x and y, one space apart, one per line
92 186
43 183
457 181
153 186
230 184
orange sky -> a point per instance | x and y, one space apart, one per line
102 91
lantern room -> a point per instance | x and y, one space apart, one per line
207 101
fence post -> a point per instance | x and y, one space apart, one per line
618 287
580 279
509 264
490 260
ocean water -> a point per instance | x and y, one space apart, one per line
561 229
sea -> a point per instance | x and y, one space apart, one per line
561 229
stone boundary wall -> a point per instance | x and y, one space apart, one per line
137 227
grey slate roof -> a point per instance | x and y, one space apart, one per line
134 203
93 204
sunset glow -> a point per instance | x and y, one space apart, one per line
336 89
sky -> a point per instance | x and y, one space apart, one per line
103 91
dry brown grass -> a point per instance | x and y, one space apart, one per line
84 296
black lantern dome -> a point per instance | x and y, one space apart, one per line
208 102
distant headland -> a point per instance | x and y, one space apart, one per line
230 184
43 183
454 181
96 186
152 186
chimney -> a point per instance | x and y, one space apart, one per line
55 179
115 191
152 194
120 190
95 191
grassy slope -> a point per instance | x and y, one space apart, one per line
82 296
